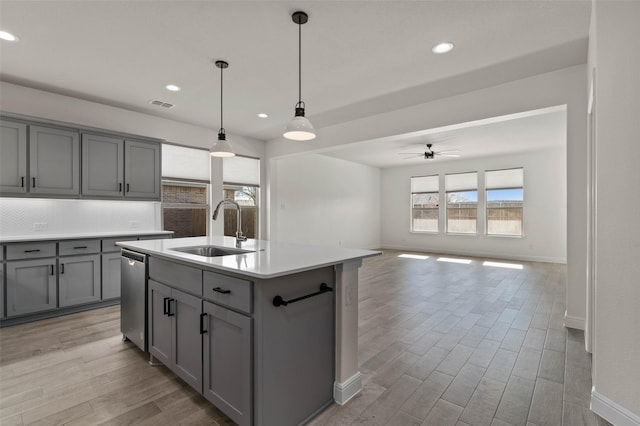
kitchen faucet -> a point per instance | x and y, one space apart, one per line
239 237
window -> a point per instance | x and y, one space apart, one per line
425 203
185 189
505 198
241 177
185 208
462 202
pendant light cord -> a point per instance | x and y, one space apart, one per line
221 95
299 63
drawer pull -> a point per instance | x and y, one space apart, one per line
80 247
219 290
279 301
166 309
34 182
61 268
202 316
32 251
51 269
127 187
22 179
169 314
120 187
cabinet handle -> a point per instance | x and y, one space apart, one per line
80 247
127 187
32 251
22 179
169 314
51 270
279 301
219 290
202 330
166 309
33 179
120 187
61 268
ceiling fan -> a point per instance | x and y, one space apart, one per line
430 154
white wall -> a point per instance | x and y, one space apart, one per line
616 352
545 209
562 87
17 216
37 103
326 201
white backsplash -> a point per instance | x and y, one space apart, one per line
39 216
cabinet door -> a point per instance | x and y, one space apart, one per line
31 286
79 279
142 170
13 158
102 166
159 322
54 161
2 290
187 340
110 275
227 362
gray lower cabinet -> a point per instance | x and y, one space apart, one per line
2 290
110 275
31 286
227 362
79 280
54 161
174 331
13 157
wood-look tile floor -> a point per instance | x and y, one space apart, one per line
440 344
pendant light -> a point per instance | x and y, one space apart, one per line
222 147
300 128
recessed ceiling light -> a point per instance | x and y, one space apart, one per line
263 115
8 36
442 47
172 87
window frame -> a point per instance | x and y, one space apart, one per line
411 209
486 207
477 203
189 183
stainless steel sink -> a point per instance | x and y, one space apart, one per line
211 251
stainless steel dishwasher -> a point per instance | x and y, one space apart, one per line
133 298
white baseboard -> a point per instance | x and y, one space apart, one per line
611 411
343 392
573 322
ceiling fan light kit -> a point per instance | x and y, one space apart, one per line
300 128
222 147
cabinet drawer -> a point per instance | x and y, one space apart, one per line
79 247
109 244
175 275
1 252
227 291
30 250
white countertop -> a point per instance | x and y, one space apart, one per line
269 259
76 236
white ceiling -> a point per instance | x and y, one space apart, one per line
359 57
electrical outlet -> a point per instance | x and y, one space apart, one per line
41 226
348 295
134 224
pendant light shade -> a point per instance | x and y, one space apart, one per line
300 128
222 147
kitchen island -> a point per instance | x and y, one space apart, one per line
268 334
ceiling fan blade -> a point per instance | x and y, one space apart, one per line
449 150
413 156
410 153
447 155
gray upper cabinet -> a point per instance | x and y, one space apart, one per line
102 166
13 158
54 161
142 170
